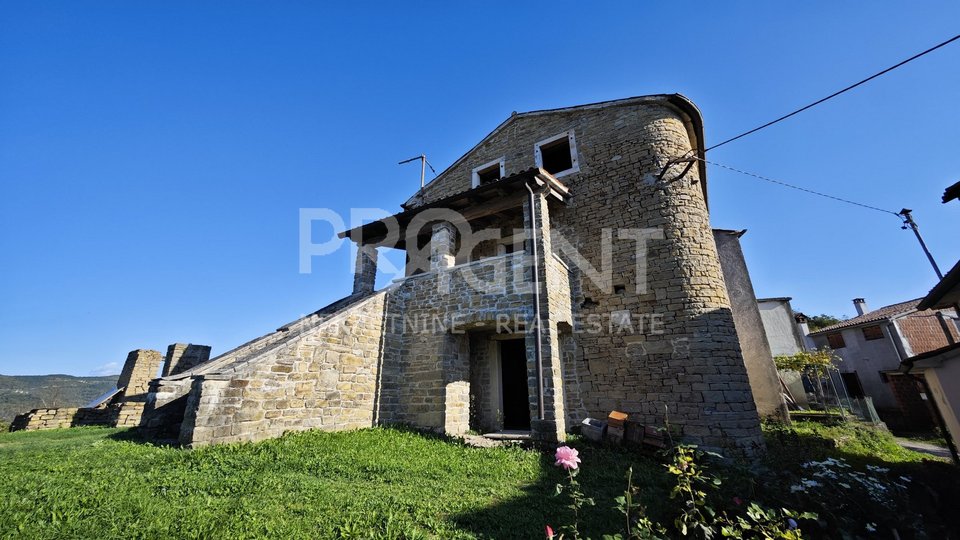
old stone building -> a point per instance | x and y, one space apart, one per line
562 268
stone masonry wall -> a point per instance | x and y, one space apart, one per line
184 356
428 372
325 378
141 367
685 365
65 417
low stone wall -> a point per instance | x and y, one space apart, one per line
325 377
64 417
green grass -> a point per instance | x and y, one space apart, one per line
90 483
383 482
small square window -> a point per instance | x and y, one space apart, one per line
836 341
488 172
558 154
872 332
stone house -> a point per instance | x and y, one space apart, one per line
562 268
874 343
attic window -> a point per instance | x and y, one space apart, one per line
488 172
558 154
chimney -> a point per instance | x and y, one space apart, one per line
861 306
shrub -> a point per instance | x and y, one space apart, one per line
695 515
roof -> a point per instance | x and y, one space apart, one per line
951 193
775 299
946 293
493 192
931 358
882 314
677 101
105 397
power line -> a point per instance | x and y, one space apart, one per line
786 184
835 94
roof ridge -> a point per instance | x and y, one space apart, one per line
885 312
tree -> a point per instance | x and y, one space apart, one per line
823 320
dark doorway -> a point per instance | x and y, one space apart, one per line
513 385
852 382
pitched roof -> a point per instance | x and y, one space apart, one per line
677 101
884 313
945 292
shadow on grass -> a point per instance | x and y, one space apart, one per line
602 476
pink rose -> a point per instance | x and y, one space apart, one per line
567 457
549 533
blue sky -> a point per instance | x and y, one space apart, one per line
154 155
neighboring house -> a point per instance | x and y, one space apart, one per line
872 345
596 213
781 326
786 336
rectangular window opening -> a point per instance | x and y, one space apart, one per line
872 332
488 172
836 341
558 154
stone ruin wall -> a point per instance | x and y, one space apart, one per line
65 417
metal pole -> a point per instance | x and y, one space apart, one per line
538 345
843 413
423 166
908 222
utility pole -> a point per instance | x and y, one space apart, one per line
909 223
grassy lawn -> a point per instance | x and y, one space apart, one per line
384 482
91 483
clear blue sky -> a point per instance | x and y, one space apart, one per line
154 155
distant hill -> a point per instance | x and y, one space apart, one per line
20 393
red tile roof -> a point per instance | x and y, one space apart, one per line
884 313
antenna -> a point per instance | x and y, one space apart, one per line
423 164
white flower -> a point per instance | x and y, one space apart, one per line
871 527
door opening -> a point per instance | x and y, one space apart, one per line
513 381
852 382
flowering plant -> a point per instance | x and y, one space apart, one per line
569 459
696 517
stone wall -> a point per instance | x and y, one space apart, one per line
428 373
141 367
184 356
325 377
65 417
